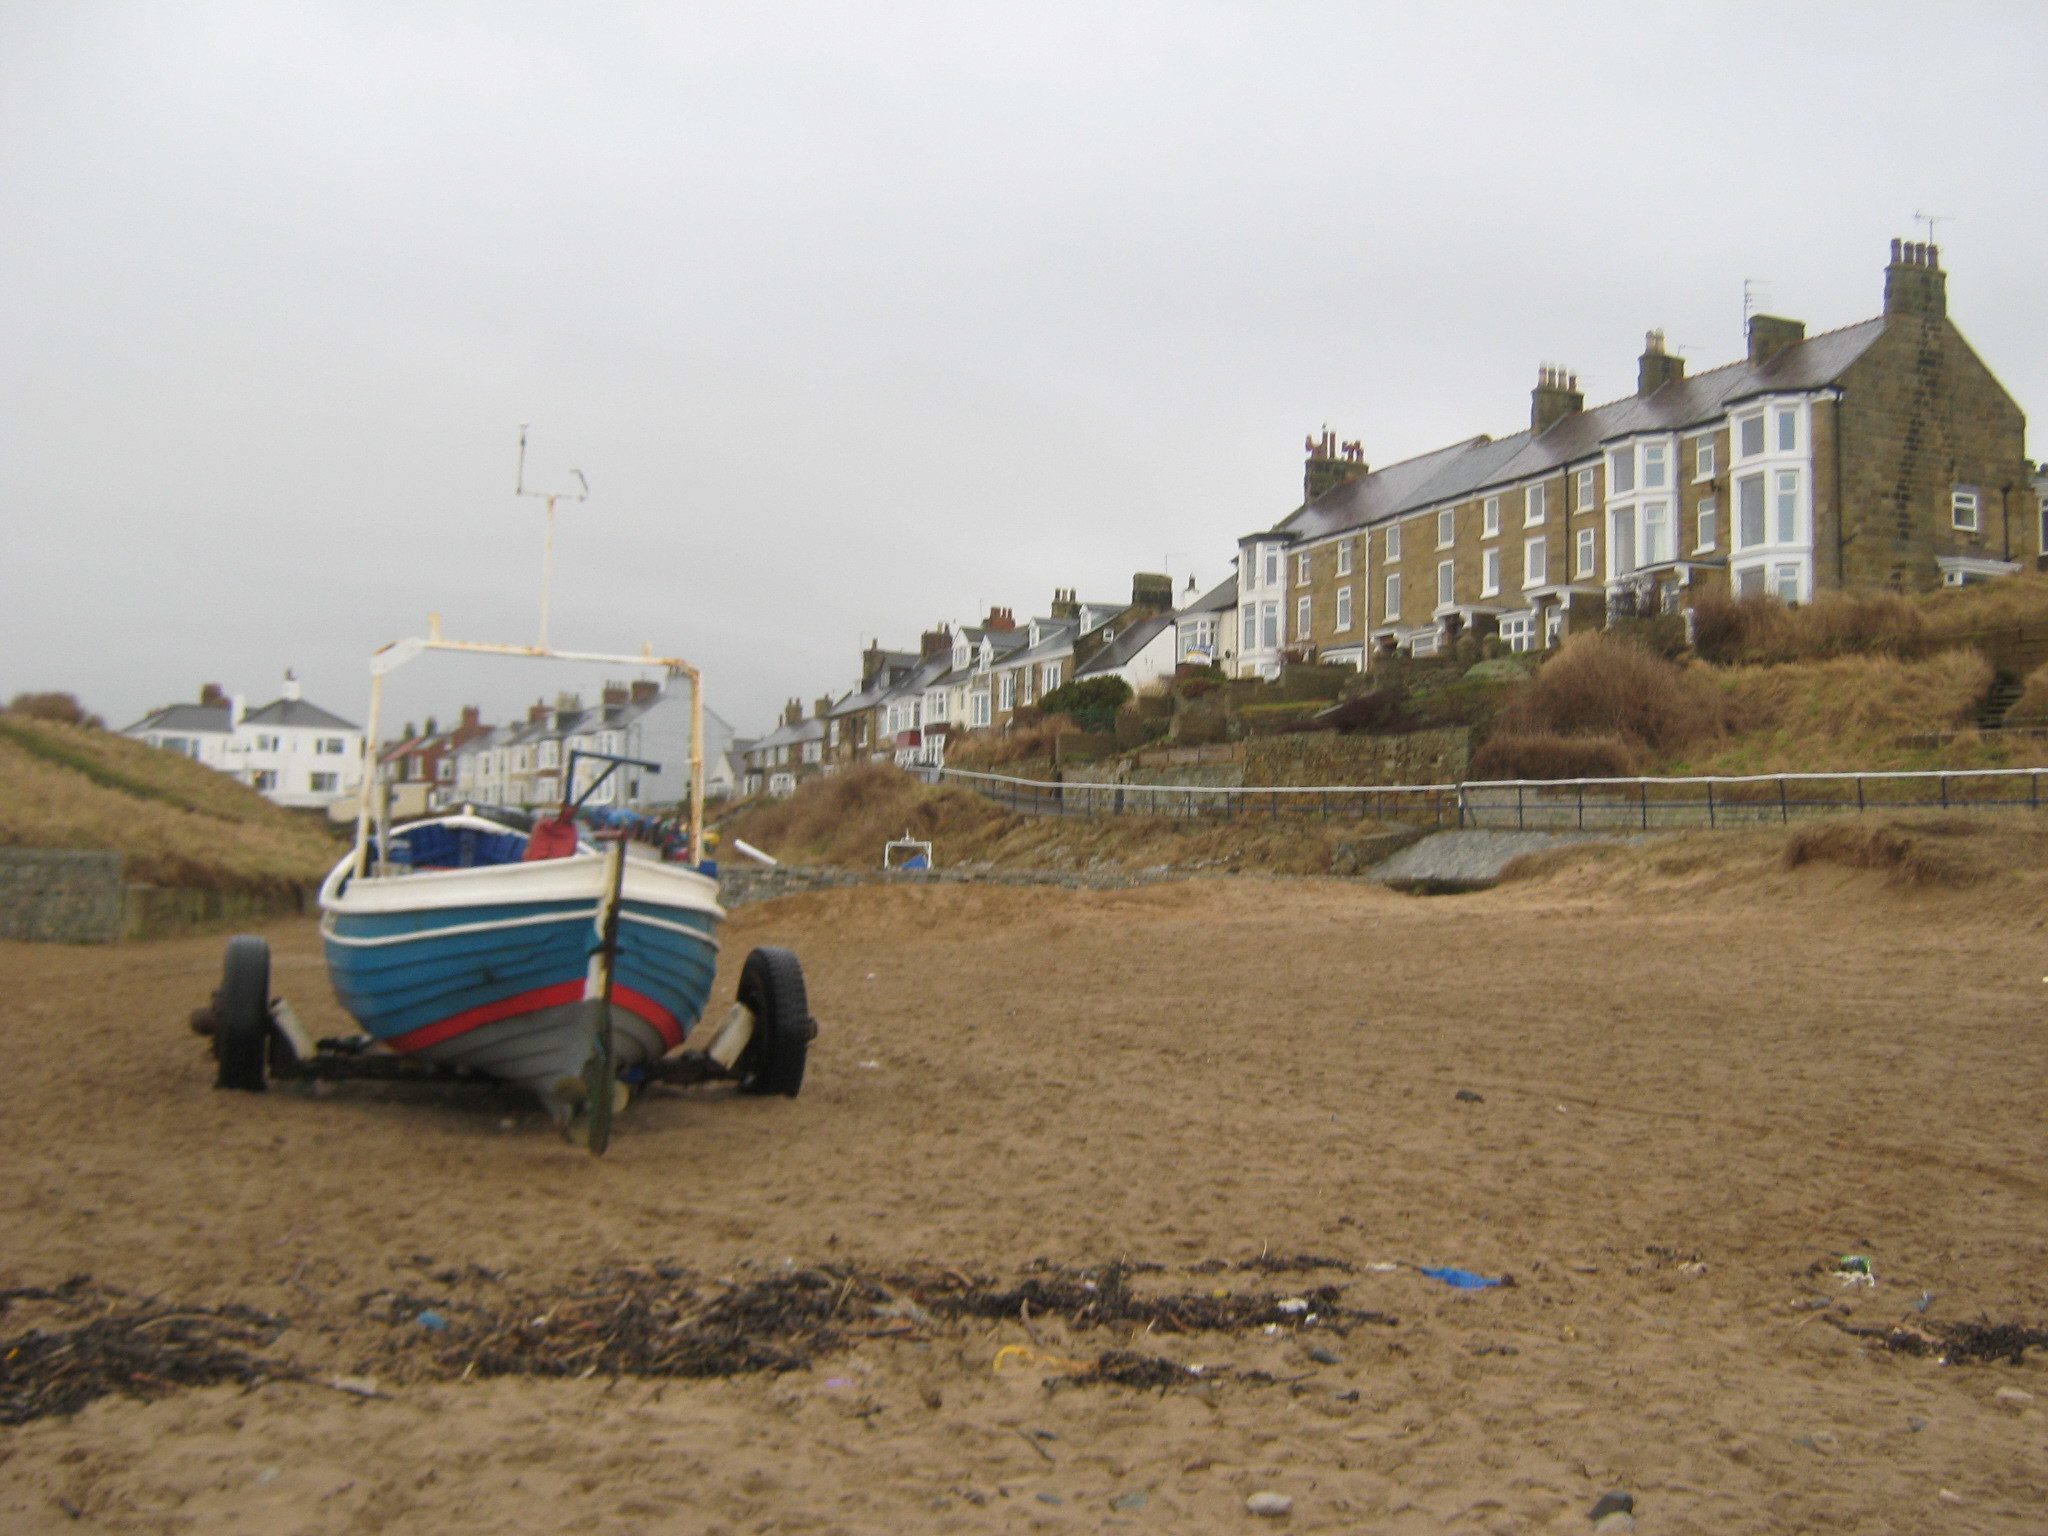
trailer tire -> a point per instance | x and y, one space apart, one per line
772 988
241 1012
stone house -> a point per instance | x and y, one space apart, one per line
1882 454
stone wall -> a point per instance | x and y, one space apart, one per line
1324 757
53 896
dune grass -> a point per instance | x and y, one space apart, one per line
174 821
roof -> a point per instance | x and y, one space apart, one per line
186 717
1220 598
289 712
1480 463
1126 646
1055 638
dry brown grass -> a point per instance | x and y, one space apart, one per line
1985 608
844 819
1850 712
1729 630
1602 686
987 749
175 822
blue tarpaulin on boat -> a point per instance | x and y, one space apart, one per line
455 847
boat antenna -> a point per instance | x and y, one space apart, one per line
547 561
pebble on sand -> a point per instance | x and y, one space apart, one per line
1616 1524
1272 1505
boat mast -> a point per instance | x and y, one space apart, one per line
547 559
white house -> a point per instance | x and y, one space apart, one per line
1142 652
291 751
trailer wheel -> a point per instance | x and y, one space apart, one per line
772 988
241 1011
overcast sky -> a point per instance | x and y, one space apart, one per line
860 318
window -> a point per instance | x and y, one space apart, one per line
1553 625
1621 544
1006 691
1533 564
1425 645
1272 564
1489 518
1446 583
1785 582
1962 508
1301 569
1393 598
1393 541
1788 428
1489 573
1653 466
1247 627
1710 525
1343 557
977 705
1052 676
1518 631
1621 472
813 751
1657 539
264 779
1535 504
1703 459
1343 608
1585 497
323 783
1269 625
332 746
1030 673
1589 539
443 770
1301 619
550 753
1788 506
1446 529
269 743
1749 511
1750 435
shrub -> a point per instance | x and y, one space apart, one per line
63 708
1381 710
1553 757
1761 629
1598 685
1093 702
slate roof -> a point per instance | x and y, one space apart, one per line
1126 645
1220 598
185 717
297 712
1055 638
1480 463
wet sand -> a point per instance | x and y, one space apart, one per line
1690 1095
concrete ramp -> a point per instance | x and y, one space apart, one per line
1470 861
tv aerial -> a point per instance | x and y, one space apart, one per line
547 563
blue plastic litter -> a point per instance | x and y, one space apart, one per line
916 861
433 1322
1463 1279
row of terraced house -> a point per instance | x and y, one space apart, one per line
1883 454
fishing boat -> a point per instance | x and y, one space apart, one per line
576 965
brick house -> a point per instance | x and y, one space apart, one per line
1882 454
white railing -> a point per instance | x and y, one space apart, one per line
1636 804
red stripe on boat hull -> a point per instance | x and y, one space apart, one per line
637 1003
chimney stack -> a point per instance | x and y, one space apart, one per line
1914 283
934 642
1656 367
1555 397
210 694
822 705
472 717
793 712
536 713
645 690
1771 334
615 694
1151 589
291 685
1064 605
999 620
1330 464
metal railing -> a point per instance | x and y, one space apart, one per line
1637 804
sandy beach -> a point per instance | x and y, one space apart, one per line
1683 1100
